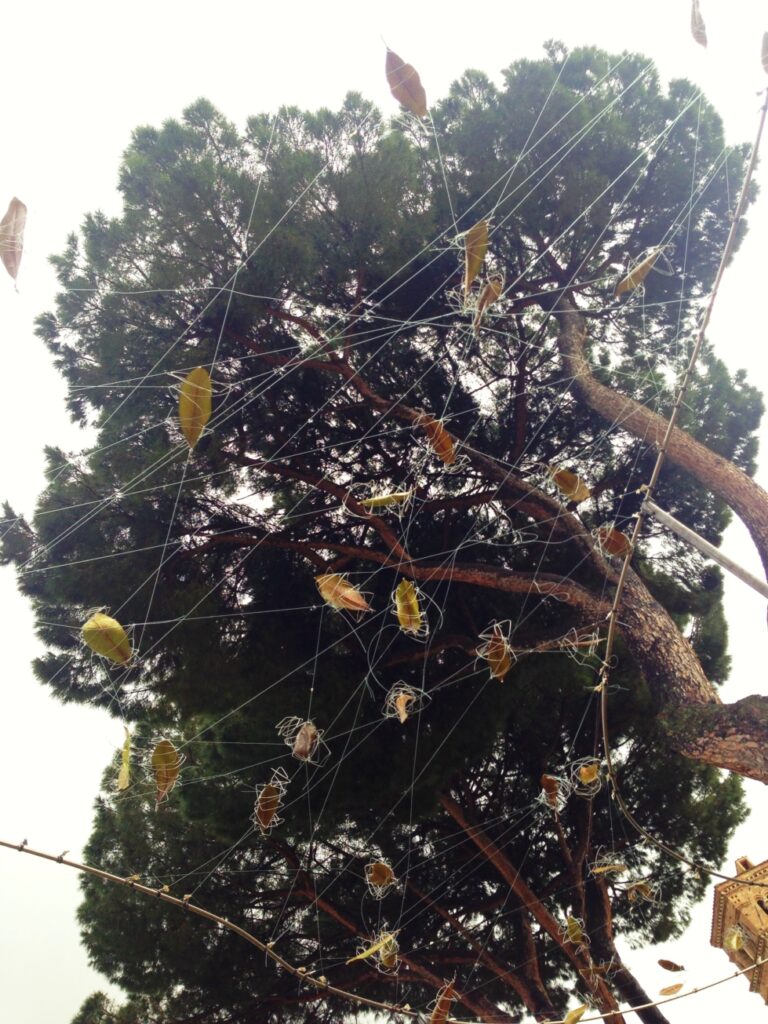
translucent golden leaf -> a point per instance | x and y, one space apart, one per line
638 274
107 637
407 607
569 484
475 247
671 990
336 591
194 404
124 776
166 764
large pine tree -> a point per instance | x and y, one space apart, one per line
314 264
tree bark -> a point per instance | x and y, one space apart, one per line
747 499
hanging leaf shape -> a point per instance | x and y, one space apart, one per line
166 763
374 948
107 637
306 741
405 84
267 806
490 292
670 965
589 773
194 404
336 591
475 247
124 776
638 274
497 653
671 990
574 1016
12 236
574 931
733 940
641 891
407 607
441 442
379 877
551 787
385 500
569 484
609 868
698 28
614 542
764 53
402 702
442 1005
388 953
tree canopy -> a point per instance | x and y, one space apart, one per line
314 264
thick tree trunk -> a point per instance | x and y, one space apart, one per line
732 736
747 499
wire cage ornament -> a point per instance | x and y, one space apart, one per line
403 701
586 777
407 607
269 797
572 929
378 502
383 950
643 890
555 790
605 862
304 739
581 647
380 878
496 649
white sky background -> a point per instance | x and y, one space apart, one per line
78 77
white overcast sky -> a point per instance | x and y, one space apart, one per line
77 78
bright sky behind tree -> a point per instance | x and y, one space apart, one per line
79 78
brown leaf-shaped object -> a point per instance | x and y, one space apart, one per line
12 236
551 787
670 965
497 653
166 763
305 744
614 542
475 247
441 442
698 28
638 274
405 84
402 701
267 805
491 290
442 1005
671 990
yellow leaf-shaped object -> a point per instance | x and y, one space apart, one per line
733 940
407 607
402 701
107 637
385 500
405 84
340 594
573 931
604 869
166 763
589 773
638 274
124 776
388 953
442 1005
569 484
267 805
194 404
306 741
614 542
12 236
671 990
764 53
475 246
574 1016
698 28
441 442
374 948
490 292
640 891
670 965
497 653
